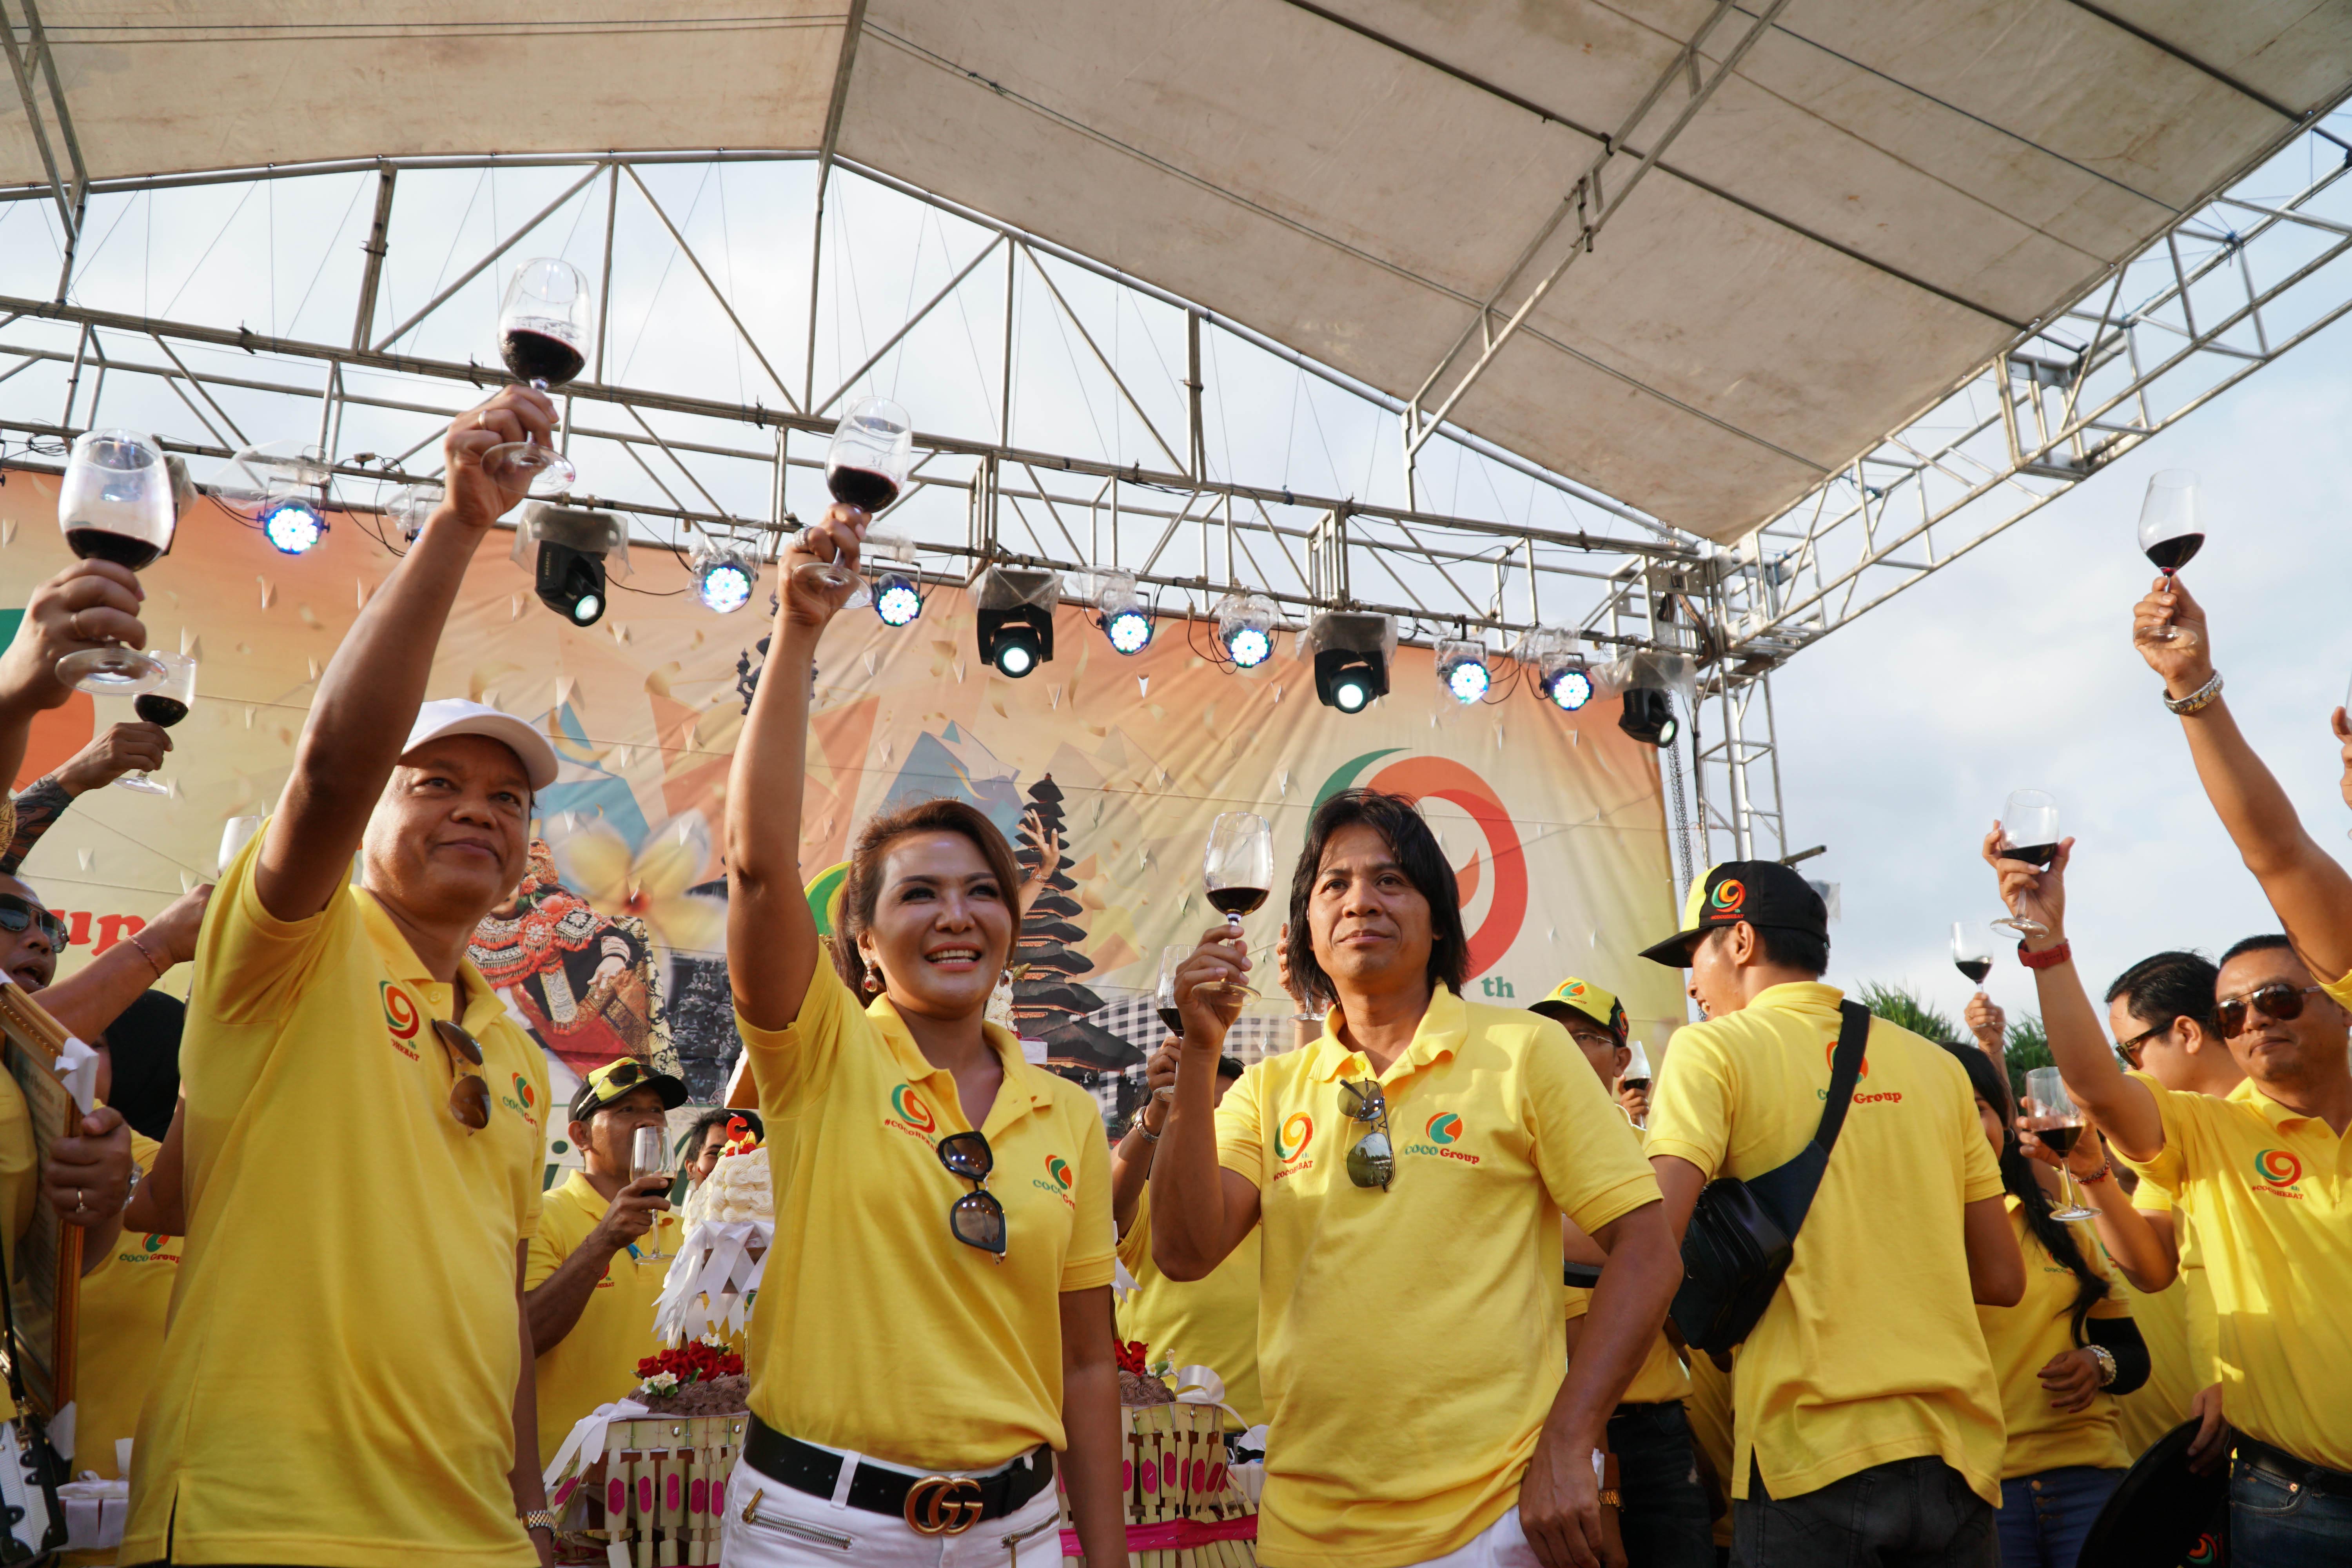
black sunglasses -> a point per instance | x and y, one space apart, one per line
17 914
976 1219
2130 1049
1372 1162
2277 1001
469 1096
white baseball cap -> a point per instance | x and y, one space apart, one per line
456 716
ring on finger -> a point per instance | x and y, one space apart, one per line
73 625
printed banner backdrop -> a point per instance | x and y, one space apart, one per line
1105 770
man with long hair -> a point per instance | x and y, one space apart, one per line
1409 1169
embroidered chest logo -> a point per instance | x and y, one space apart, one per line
1438 1136
1056 1180
1889 1097
2279 1172
1290 1140
910 1114
401 1019
151 1250
521 1101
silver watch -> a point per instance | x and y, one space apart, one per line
2106 1359
539 1518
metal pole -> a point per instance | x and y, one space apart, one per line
363 321
1197 445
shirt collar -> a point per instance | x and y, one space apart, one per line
915 1067
1443 1029
1798 995
2249 1092
482 1006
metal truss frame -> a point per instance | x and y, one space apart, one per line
2246 276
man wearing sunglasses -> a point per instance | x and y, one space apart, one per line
364 1131
1409 1169
602 1250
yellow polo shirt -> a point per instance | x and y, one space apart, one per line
1210 1323
1409 1341
119 1334
2177 1322
2024 1338
596 1363
875 1330
338 1377
2271 1195
1661 1377
20 1184
1821 1389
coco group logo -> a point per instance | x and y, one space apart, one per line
1421 778
1056 1180
401 1019
911 1114
1438 1136
1290 1141
2279 1171
521 1101
150 1250
1730 895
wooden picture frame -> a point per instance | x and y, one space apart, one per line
44 1286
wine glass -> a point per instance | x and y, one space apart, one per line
649 1156
167 705
1636 1076
2029 832
1972 952
2052 1115
2171 530
1238 871
873 452
235 834
543 338
116 504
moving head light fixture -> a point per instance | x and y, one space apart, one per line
1649 681
1351 651
570 546
1015 609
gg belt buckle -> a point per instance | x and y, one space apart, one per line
943 1505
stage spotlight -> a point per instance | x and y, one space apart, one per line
570 583
726 572
1462 670
1125 612
1246 626
1016 611
897 599
292 524
1649 716
1561 674
571 549
1351 652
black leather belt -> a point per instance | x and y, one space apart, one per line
2293 1469
933 1505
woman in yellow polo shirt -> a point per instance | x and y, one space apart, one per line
2061 1354
935 1318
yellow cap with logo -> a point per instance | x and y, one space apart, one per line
1601 1006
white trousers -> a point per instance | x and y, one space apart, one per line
771 1525
1502 1544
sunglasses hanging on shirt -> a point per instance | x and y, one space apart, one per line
976 1219
1372 1162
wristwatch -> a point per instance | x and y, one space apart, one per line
539 1518
2106 1359
1610 1497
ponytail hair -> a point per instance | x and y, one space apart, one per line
2055 1237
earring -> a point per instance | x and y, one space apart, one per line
873 980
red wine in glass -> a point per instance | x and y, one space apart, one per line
2171 554
158 708
539 357
2171 530
2031 854
1976 968
1174 1020
98 544
167 705
864 489
2061 1139
1236 902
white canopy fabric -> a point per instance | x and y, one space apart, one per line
1881 195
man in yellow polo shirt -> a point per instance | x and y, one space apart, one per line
1867 1422
1409 1169
1666 1519
345 1379
594 1276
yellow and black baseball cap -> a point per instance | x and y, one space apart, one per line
1760 892
615 1079
1601 1008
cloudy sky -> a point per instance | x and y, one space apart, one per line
1900 734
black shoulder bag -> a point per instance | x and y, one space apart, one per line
1742 1235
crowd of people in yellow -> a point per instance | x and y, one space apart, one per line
1810 1298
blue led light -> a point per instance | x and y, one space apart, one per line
292 524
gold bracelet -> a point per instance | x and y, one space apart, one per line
1610 1498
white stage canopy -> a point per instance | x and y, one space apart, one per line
1832 210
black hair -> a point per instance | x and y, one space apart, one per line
2264 943
1418 856
719 1116
1230 1066
2162 989
1789 948
2056 1237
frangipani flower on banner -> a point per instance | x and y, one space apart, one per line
649 881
